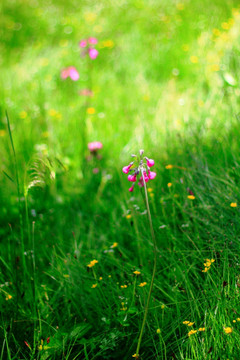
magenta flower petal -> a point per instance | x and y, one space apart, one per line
151 175
92 41
95 145
146 178
74 75
140 183
150 162
83 43
131 188
132 178
125 169
65 73
93 53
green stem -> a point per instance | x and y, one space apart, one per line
154 267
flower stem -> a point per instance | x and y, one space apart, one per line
154 266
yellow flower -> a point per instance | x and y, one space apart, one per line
158 331
201 329
137 272
233 204
169 185
136 356
9 297
2 133
238 319
123 286
162 306
150 190
100 278
91 110
151 194
194 59
128 216
234 321
190 323
168 167
114 245
225 25
191 197
186 322
92 263
228 330
109 276
206 269
215 67
216 32
191 332
23 114
93 286
143 284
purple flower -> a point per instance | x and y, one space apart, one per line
93 53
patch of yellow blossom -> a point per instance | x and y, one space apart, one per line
136 272
191 197
168 167
169 184
92 263
114 245
94 286
128 216
158 331
142 284
91 111
191 332
207 264
228 330
123 286
233 204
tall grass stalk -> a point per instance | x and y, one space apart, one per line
154 266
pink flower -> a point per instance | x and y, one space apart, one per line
150 162
73 74
70 72
146 178
131 188
93 53
92 41
151 175
132 178
94 146
125 169
83 43
140 183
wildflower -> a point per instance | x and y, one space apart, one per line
201 329
109 276
228 330
137 272
191 332
186 322
94 146
162 306
92 263
91 110
168 167
191 197
150 190
92 52
233 204
158 331
94 286
8 297
142 284
238 319
123 286
169 185
100 278
114 245
139 167
135 356
70 72
234 321
2 133
128 216
190 323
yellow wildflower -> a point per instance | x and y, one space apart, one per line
2 133
109 276
162 306
169 185
238 319
234 321
123 286
201 329
191 332
186 322
135 356
114 245
225 25
233 204
92 263
190 323
100 278
143 284
94 285
91 110
150 190
151 194
128 216
194 59
228 330
9 297
137 272
206 269
191 197
158 331
216 32
168 167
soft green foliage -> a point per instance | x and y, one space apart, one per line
165 80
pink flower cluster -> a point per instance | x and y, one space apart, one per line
70 72
94 146
139 167
88 44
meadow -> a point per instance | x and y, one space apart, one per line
84 86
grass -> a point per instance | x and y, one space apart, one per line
165 80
